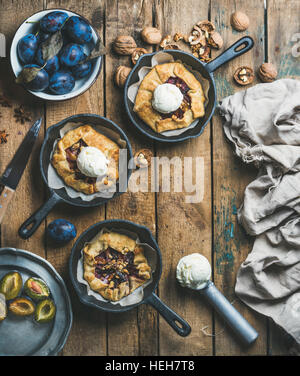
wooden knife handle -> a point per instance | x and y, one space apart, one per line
6 195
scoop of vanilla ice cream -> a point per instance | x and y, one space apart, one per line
193 271
92 162
166 98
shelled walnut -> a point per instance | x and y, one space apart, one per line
121 75
124 45
267 72
202 38
244 75
137 53
166 41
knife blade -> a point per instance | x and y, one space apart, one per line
14 171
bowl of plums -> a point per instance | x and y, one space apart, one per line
56 54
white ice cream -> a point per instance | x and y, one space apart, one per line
166 98
92 162
193 271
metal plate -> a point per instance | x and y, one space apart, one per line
23 336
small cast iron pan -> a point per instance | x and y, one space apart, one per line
206 70
60 195
173 319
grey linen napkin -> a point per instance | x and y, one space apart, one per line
263 123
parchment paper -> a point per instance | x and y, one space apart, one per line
137 295
162 58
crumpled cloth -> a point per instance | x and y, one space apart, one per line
263 124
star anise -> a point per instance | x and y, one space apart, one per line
3 137
4 102
21 115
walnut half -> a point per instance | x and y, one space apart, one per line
244 75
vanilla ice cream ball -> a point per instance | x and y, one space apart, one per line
92 162
166 98
193 271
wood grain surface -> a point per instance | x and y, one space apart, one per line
208 226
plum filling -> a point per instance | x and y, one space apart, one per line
113 266
186 103
72 154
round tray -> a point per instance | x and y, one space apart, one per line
23 336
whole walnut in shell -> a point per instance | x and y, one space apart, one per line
239 21
124 45
151 35
121 75
267 72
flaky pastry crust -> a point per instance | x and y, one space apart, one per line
158 75
65 156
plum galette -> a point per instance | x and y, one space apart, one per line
115 265
169 97
86 160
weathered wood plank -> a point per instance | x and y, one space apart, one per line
283 25
88 334
184 228
30 191
230 177
129 332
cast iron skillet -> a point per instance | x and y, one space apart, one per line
60 195
238 48
145 236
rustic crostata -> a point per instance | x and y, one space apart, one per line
86 160
114 265
169 97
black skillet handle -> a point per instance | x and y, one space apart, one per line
180 326
238 48
32 223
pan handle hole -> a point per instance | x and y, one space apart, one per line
178 324
241 47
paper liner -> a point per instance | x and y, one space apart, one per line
137 295
162 58
56 182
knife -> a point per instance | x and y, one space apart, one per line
14 171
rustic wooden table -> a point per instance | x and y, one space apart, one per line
209 227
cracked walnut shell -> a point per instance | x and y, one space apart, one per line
244 75
267 72
142 158
124 45
239 21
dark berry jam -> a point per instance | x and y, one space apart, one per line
112 265
186 103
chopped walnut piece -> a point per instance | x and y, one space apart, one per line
165 41
177 37
171 47
244 75
137 53
3 137
142 158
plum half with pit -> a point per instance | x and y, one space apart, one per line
53 21
41 80
52 65
27 47
61 231
79 30
71 54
